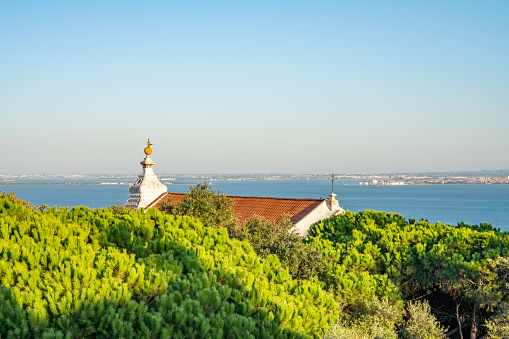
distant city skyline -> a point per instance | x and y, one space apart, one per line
261 87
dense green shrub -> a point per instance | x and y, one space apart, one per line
498 325
353 264
421 324
11 197
461 269
94 273
367 319
302 260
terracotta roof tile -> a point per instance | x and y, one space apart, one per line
269 208
165 197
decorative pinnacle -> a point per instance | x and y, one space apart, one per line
333 178
148 150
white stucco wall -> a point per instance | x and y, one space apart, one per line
147 188
323 211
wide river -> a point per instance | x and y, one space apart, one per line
451 204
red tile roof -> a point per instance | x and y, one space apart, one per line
245 207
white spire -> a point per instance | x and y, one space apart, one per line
147 188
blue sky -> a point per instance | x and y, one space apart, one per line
253 87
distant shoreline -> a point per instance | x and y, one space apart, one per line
11 183
484 177
14 183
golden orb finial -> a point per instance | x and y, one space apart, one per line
148 150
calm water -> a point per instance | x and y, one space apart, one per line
472 204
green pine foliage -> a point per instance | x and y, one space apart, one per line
101 273
121 273
461 269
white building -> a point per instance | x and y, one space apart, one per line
148 192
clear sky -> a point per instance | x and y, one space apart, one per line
254 86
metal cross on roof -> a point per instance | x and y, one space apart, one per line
333 178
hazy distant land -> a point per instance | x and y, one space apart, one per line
485 177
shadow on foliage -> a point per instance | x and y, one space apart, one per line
119 277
